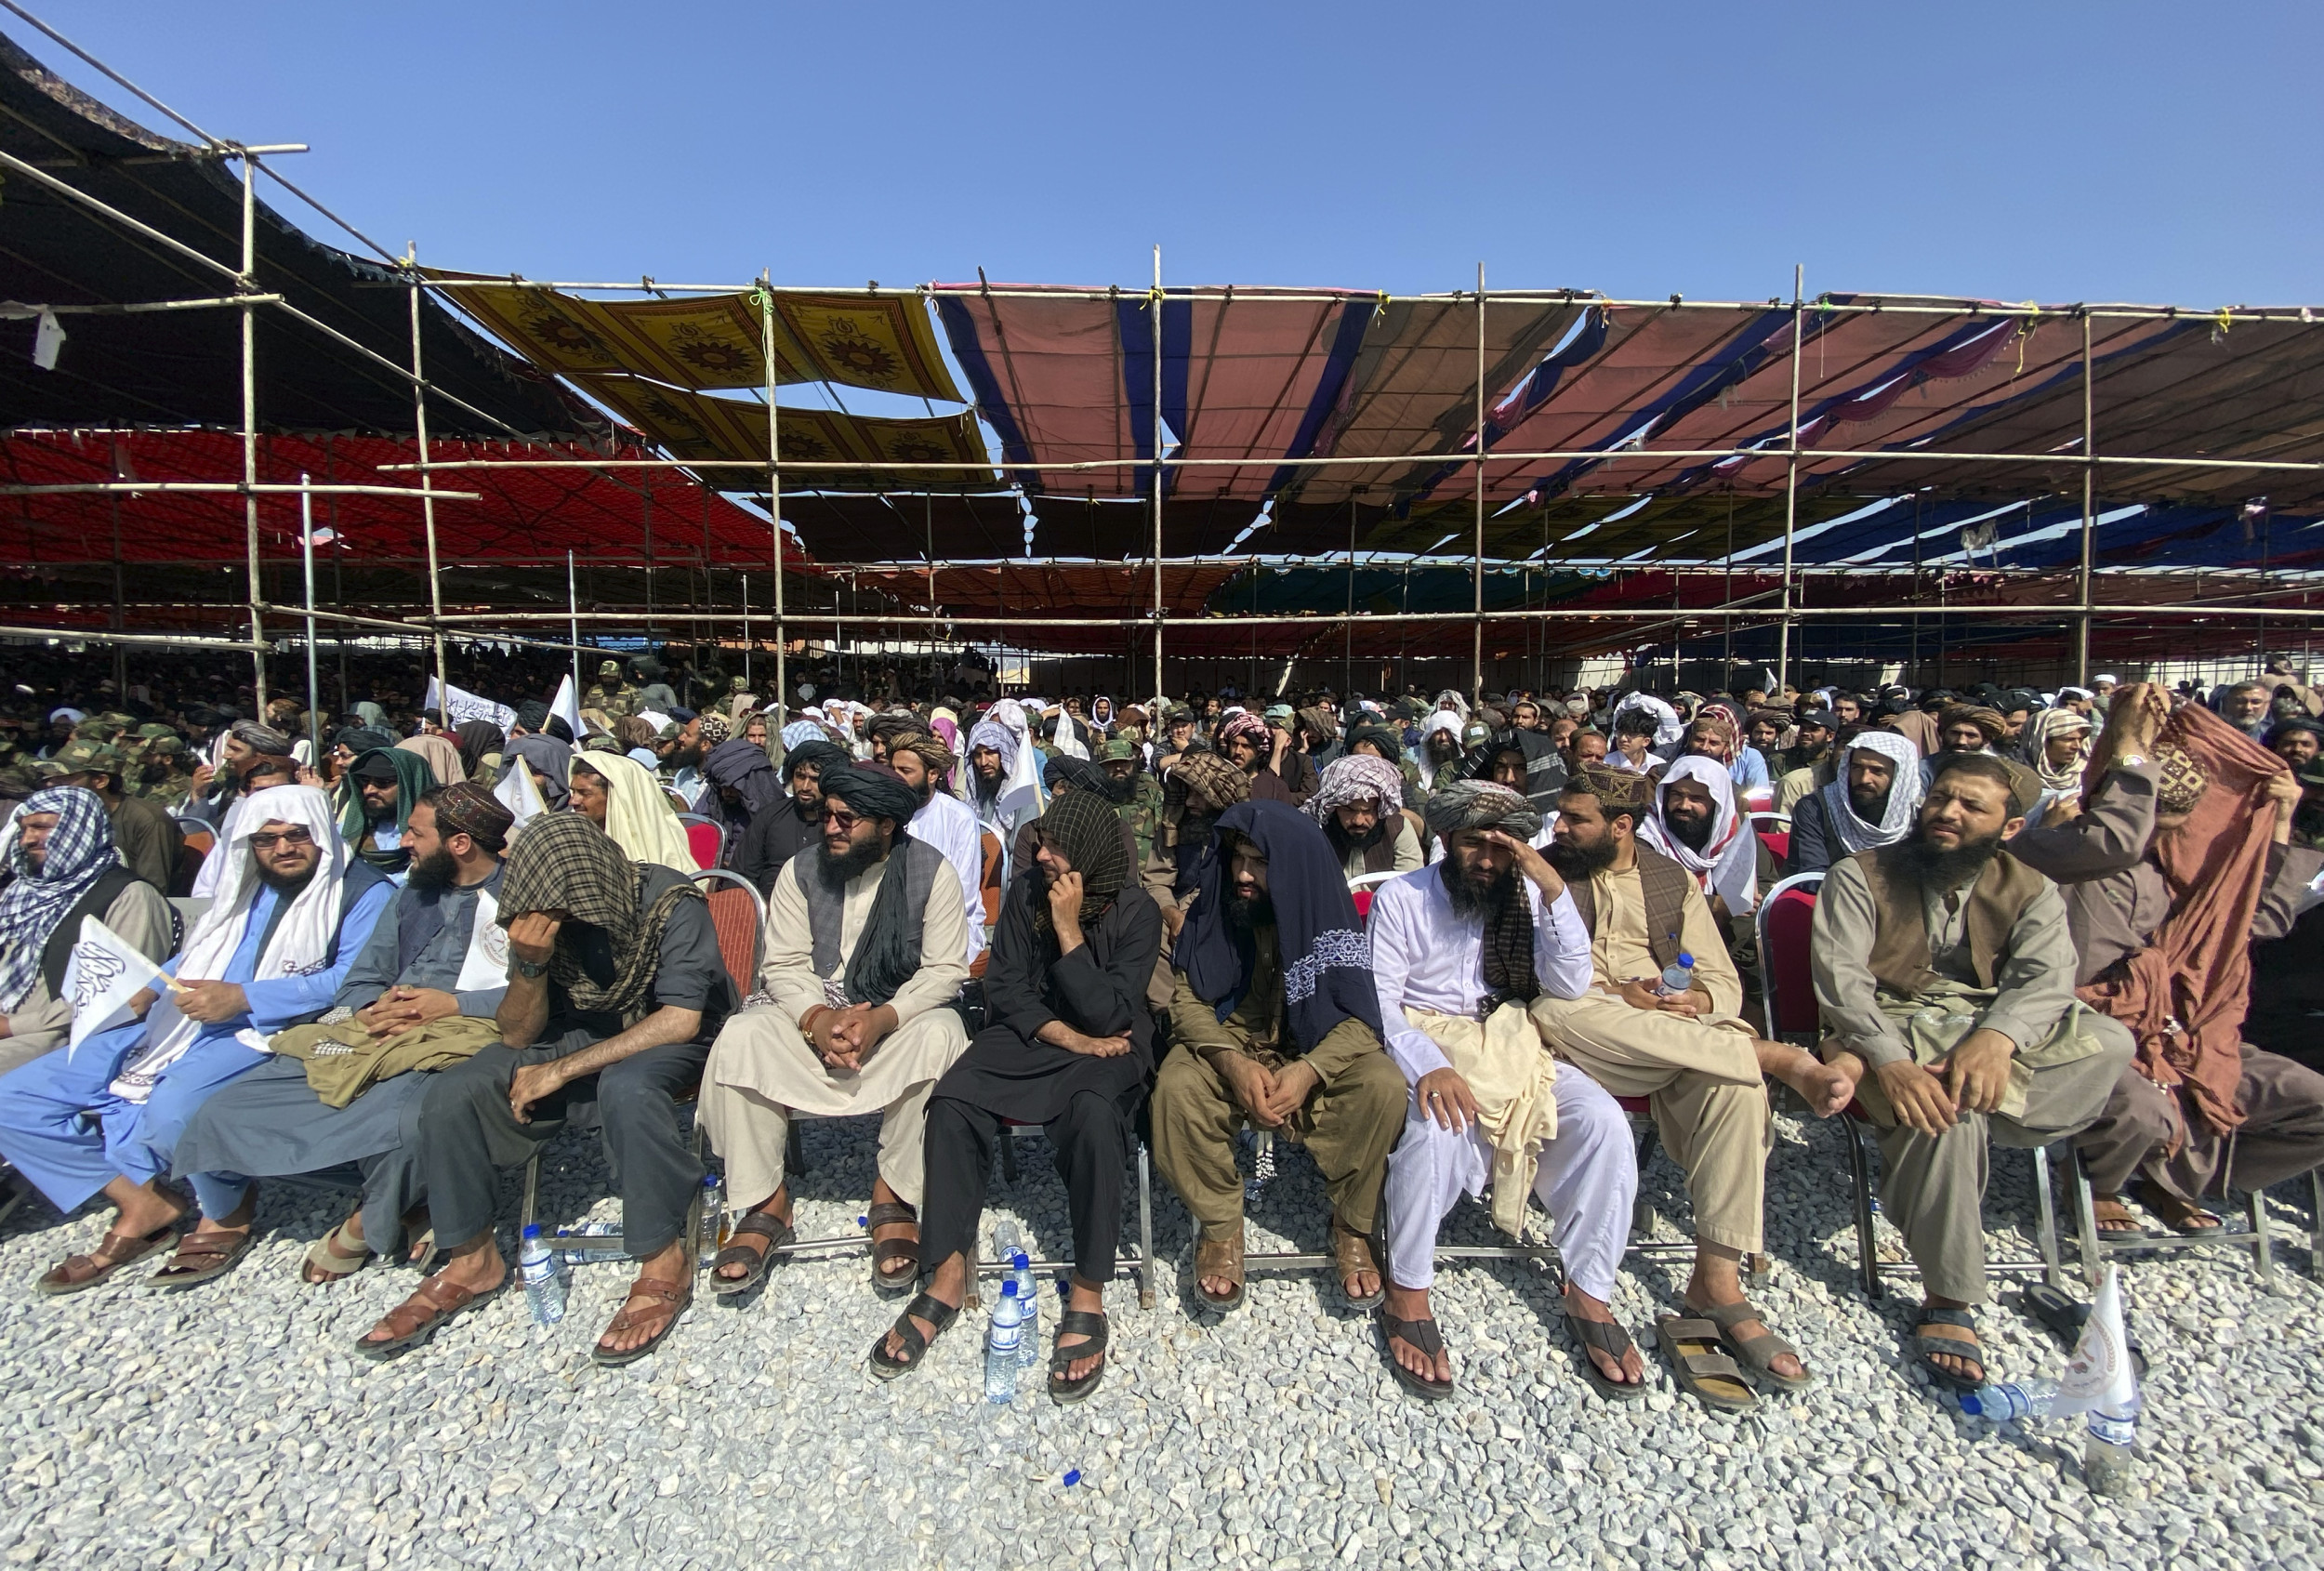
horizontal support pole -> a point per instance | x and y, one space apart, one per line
234 487
140 307
100 635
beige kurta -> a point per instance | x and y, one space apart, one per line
763 1071
1701 1076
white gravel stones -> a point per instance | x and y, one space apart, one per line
232 1425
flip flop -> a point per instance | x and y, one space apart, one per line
1613 1340
201 1256
1704 1372
757 1225
1423 1338
2130 1230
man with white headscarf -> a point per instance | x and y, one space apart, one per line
1695 826
58 849
293 910
1873 802
988 786
1360 805
2057 749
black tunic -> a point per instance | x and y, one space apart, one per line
1098 990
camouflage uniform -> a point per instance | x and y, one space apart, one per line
172 789
610 694
1143 813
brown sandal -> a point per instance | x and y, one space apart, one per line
1351 1254
2178 1215
893 1284
76 1274
411 1323
669 1299
1220 1257
204 1254
2115 1221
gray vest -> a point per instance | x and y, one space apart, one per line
922 863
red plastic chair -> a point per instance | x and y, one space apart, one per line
705 839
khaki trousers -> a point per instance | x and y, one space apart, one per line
1703 1084
1347 1124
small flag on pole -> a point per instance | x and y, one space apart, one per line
565 705
520 794
101 975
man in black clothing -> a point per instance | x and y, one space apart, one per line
773 838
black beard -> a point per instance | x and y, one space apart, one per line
1247 916
1575 863
1467 899
1343 842
1445 754
1693 834
434 871
1120 791
1870 810
285 888
924 792
987 790
838 872
1948 869
685 758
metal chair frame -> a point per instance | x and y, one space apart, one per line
688 820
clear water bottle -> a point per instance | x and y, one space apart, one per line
1029 1298
1679 975
1001 1343
1007 1242
714 1231
544 1283
2106 1450
2003 1402
578 1253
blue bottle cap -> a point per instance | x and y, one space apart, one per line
531 1230
1073 1476
1686 959
1007 1290
1971 1405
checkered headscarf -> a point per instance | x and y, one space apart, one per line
565 863
80 850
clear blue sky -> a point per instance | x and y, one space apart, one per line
2124 150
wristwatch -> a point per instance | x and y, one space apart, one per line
528 970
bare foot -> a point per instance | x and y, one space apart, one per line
1411 1303
1825 1088
1630 1368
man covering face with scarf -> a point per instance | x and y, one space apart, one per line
866 947
615 989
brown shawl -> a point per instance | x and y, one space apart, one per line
2183 996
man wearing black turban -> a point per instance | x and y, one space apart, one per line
792 825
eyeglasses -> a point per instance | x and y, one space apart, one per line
264 841
846 821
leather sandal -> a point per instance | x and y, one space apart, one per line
1611 1338
1351 1254
202 1255
778 1235
1220 1257
324 1262
2179 1216
1757 1353
1704 1372
415 1321
2115 1222
662 1297
1081 1322
77 1274
1423 1338
1927 1349
938 1314
893 1284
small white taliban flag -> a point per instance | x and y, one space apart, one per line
566 704
462 704
101 975
518 793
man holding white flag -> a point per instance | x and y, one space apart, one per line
58 846
293 910
458 705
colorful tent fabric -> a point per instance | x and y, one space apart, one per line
696 426
703 341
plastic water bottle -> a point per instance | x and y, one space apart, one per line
1006 1243
1001 1346
2002 1403
543 1284
714 1231
584 1254
2106 1450
1679 975
1029 1298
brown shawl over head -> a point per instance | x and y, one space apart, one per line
2183 994
1916 728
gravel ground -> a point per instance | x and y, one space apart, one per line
232 1425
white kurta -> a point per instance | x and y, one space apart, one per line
950 825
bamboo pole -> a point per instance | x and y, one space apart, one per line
1476 561
249 282
426 488
775 495
1158 473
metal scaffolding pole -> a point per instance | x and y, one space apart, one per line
427 491
775 494
249 284
572 611
314 683
1790 485
2090 516
1476 559
1157 478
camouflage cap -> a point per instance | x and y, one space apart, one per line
155 733
1119 750
609 669
167 744
86 758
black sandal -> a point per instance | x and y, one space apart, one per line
1926 1349
1612 1338
1423 1338
757 1225
893 1284
1084 1323
936 1312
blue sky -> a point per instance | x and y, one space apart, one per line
2123 150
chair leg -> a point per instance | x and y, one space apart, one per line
1145 1228
2046 1226
1867 1245
1008 1156
1642 1211
2086 1218
2263 1242
532 1191
2316 1223
794 1152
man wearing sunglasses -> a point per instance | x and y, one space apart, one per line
292 911
867 945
